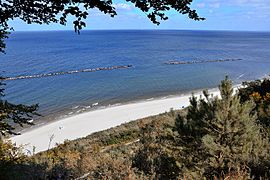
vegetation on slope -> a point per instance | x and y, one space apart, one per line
214 138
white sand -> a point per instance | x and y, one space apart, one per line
86 123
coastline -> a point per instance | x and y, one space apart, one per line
47 135
44 137
89 107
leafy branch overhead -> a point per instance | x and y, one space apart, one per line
57 11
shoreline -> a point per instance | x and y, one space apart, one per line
86 108
46 136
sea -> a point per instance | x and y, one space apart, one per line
43 52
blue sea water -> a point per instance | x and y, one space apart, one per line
45 52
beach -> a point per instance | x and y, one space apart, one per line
62 76
47 136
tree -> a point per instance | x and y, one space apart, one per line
56 11
3 35
11 114
221 136
259 91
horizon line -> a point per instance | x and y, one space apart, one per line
227 30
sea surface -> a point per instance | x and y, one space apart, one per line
147 51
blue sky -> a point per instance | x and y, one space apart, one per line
237 15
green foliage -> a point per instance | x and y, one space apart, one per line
55 11
153 159
215 138
220 136
121 137
259 91
11 114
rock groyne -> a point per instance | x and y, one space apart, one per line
197 62
66 72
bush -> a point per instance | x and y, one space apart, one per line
259 91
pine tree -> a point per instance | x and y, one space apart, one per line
220 136
233 139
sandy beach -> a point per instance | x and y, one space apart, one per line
78 126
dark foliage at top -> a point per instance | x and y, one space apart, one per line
57 11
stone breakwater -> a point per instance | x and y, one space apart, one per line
66 72
109 68
197 62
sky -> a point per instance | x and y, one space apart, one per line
235 15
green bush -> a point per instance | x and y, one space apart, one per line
219 136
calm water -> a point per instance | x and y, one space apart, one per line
45 52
